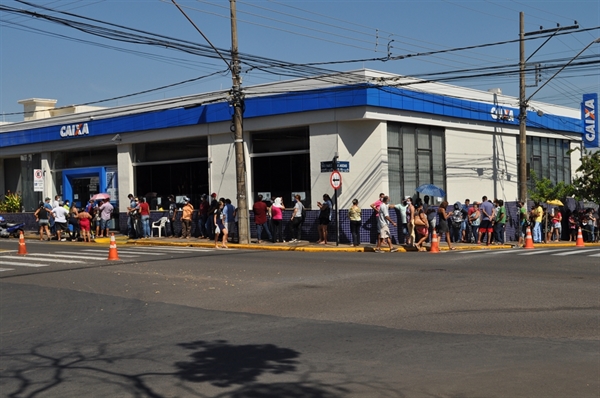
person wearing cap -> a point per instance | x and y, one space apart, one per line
186 219
172 216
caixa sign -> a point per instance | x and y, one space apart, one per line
590 120
505 115
74 130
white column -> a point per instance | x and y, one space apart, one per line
125 174
46 165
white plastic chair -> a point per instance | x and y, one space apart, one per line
159 224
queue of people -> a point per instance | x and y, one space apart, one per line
62 220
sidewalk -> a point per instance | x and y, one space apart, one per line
306 246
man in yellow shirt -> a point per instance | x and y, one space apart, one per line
537 214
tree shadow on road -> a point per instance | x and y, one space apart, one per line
50 370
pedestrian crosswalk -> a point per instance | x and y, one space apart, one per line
9 258
559 252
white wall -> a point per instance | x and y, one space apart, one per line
494 154
363 143
125 175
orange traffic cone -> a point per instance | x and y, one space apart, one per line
579 242
528 240
22 249
112 251
435 246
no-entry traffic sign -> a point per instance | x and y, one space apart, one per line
335 179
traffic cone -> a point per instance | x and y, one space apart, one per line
435 246
579 242
528 240
112 251
22 249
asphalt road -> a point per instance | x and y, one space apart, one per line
166 322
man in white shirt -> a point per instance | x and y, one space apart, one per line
383 223
60 220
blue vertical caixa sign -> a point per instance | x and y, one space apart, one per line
590 120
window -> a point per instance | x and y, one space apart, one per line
415 157
281 163
548 158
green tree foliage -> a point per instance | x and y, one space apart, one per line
543 190
11 203
587 183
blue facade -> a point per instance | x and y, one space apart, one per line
303 101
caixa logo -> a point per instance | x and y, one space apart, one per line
74 130
589 120
506 115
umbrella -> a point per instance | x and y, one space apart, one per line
100 196
555 202
431 190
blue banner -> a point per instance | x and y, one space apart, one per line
589 118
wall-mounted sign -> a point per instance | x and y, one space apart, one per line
38 180
589 118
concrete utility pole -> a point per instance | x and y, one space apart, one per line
237 101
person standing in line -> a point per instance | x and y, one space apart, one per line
324 218
474 221
487 215
186 219
354 214
172 216
297 219
85 225
465 228
105 213
421 226
443 225
42 215
277 218
500 223
431 215
402 208
202 216
210 225
383 222
60 221
375 207
220 221
145 217
538 214
260 210
229 210
130 220
74 222
410 222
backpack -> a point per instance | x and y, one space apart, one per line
456 218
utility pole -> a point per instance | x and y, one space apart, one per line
237 101
522 114
524 101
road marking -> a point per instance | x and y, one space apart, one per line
180 249
531 253
105 251
6 269
485 251
52 260
576 251
594 255
67 255
137 253
22 264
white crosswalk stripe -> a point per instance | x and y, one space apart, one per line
6 269
534 252
50 260
576 251
132 252
65 255
179 249
20 264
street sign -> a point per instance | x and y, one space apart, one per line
343 166
38 180
335 179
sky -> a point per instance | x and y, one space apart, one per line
425 38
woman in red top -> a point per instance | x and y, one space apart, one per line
145 213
